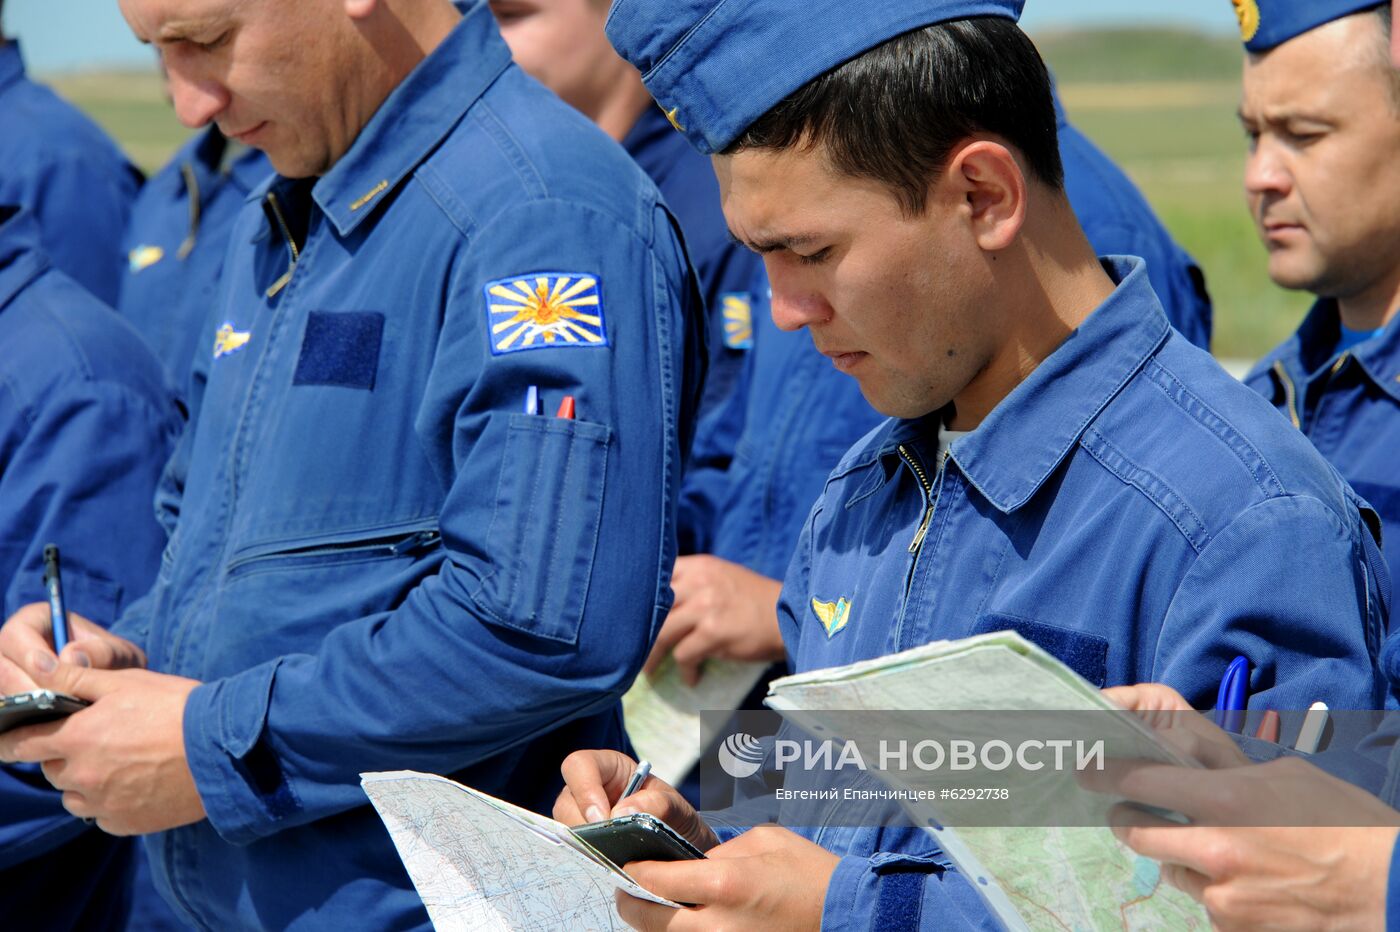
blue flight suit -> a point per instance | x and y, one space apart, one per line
1347 404
1130 508
86 423
377 560
176 240
726 270
61 166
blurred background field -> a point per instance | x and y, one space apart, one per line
1160 101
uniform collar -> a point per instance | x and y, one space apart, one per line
1034 428
11 64
1380 358
1309 353
21 258
414 119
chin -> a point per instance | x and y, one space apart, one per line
1294 275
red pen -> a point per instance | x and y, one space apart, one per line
566 408
1269 727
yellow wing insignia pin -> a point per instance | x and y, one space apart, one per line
227 340
833 615
545 310
143 257
737 308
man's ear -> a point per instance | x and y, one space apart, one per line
989 179
360 9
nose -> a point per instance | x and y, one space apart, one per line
197 101
794 307
1265 171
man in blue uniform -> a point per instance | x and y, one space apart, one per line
425 516
562 43
798 415
176 240
1061 462
64 169
86 423
1321 107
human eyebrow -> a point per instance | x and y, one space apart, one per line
790 243
188 30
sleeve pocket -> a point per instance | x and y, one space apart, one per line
544 528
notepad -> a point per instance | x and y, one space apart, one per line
662 713
480 863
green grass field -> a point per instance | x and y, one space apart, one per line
1160 102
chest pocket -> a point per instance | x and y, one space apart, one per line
1085 654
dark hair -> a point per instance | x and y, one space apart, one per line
894 113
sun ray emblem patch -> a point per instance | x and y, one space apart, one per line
832 615
143 257
227 340
737 308
543 310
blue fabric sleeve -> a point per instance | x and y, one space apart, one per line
78 473
706 485
82 205
901 893
1295 619
504 643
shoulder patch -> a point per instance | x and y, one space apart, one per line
543 310
143 257
737 308
227 340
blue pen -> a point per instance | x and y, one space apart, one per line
1230 701
532 400
57 612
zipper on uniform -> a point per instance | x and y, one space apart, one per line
275 208
192 191
395 546
1290 394
927 486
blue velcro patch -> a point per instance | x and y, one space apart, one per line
1085 654
340 348
899 907
544 310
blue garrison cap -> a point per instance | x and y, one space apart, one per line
716 66
1267 23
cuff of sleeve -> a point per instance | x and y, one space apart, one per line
852 886
885 891
1392 891
239 781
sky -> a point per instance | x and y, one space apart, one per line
75 35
